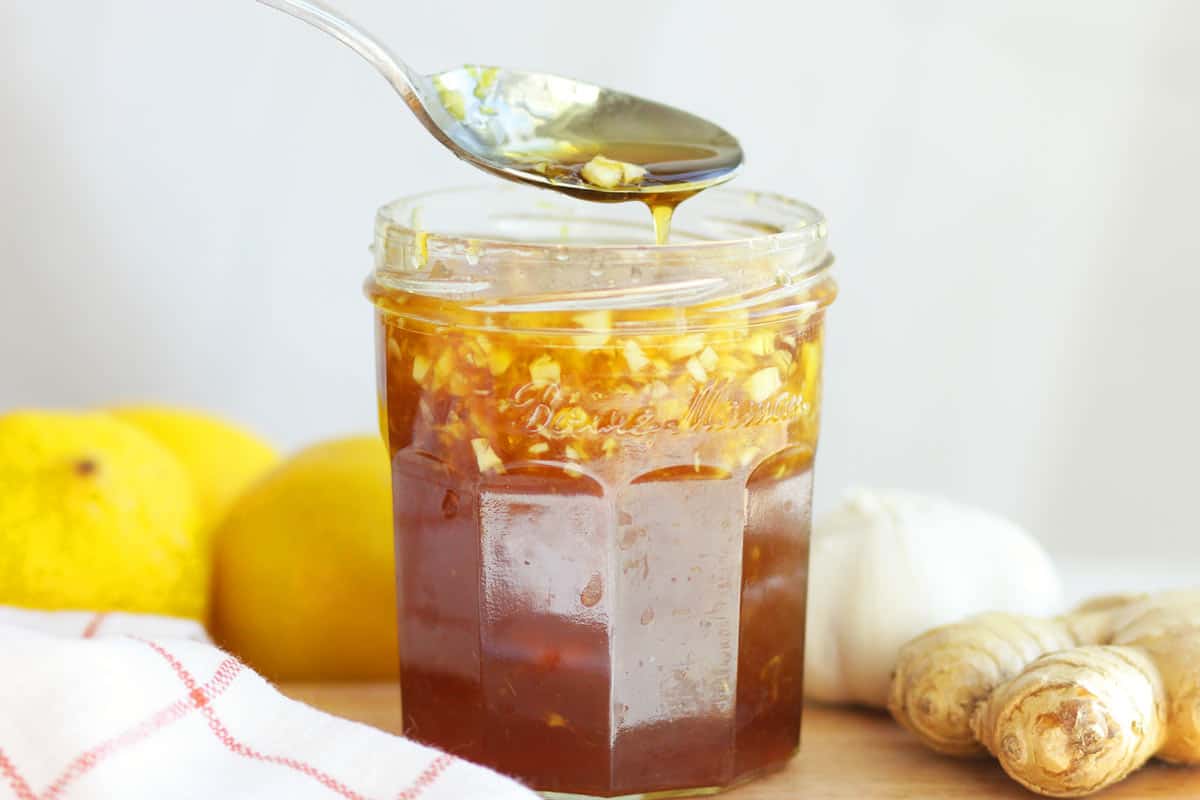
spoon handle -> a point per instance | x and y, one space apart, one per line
324 18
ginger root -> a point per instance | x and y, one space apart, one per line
1068 705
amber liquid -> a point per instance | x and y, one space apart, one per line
602 542
674 172
537 695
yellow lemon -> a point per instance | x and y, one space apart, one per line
304 583
94 514
221 459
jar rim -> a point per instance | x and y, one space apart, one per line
784 224
516 249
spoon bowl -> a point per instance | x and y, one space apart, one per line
543 129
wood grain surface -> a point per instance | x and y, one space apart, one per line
845 755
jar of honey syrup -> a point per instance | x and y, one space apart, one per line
602 458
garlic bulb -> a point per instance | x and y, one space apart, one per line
888 565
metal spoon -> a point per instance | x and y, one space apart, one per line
542 129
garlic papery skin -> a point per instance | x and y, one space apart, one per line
887 565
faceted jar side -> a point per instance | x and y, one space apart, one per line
602 538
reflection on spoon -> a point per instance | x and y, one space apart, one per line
544 129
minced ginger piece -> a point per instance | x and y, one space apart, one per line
544 369
443 367
685 346
671 408
763 384
762 343
486 457
634 356
498 361
608 173
420 367
597 325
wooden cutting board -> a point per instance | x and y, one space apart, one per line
844 755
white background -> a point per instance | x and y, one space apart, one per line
1014 192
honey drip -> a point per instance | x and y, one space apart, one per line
662 214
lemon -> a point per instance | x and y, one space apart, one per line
304 583
221 459
94 514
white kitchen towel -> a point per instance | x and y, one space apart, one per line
88 624
91 711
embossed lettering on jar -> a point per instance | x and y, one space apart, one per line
602 457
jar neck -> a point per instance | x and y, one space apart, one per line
779 265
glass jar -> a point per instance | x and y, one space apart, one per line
602 465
